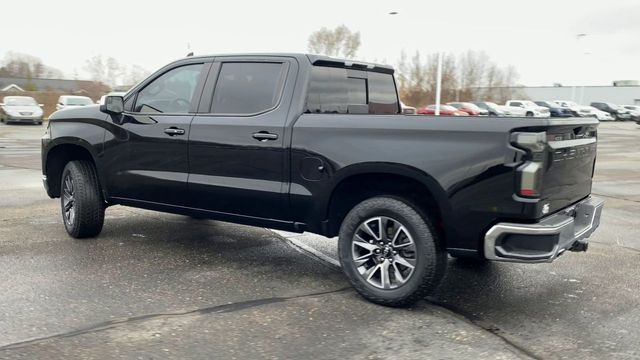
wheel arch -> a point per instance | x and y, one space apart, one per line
356 183
58 155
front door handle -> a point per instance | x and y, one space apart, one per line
264 136
173 131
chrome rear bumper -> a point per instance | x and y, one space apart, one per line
547 239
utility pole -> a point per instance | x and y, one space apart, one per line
438 84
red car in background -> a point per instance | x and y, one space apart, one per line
469 108
445 110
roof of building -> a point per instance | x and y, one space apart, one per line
45 84
12 87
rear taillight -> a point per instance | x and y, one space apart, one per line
530 173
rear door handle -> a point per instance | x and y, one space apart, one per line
264 136
173 131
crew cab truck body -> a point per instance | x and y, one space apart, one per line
310 143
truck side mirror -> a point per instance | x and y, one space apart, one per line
113 105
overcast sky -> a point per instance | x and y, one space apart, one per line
537 37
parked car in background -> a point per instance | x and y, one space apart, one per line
555 110
66 101
513 111
634 110
578 110
407 110
493 109
531 109
601 115
20 109
469 108
618 112
444 110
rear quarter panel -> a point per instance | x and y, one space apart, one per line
469 159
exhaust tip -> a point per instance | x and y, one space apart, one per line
579 246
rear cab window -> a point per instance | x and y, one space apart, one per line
339 90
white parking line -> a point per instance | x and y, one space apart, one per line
294 239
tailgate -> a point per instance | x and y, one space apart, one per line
569 170
559 170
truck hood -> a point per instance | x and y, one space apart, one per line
78 112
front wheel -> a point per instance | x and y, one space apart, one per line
390 252
81 200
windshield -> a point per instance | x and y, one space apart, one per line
548 104
566 103
19 101
471 106
444 107
81 101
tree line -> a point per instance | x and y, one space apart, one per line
101 69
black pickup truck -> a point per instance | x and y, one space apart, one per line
311 143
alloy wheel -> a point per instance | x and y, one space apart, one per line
383 252
68 200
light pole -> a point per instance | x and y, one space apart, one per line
438 84
581 96
438 77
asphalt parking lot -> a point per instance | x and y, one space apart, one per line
155 285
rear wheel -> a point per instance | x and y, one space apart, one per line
529 114
81 200
390 252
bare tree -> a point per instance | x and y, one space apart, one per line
96 68
469 76
418 79
340 42
135 75
110 71
26 66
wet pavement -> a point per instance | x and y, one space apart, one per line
156 285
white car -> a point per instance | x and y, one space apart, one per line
578 110
66 101
634 110
600 115
512 111
530 108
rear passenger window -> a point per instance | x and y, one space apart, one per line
334 90
248 88
383 98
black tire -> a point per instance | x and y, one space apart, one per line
429 254
86 215
529 114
